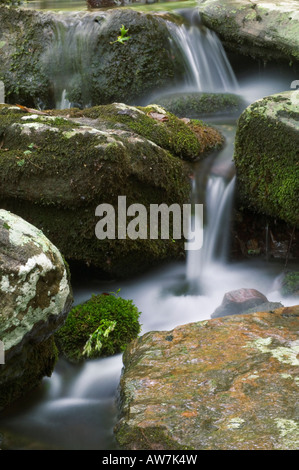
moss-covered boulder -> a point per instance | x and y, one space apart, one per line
35 298
267 159
102 326
264 30
290 284
57 168
44 53
195 105
222 384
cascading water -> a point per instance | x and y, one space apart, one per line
75 408
207 67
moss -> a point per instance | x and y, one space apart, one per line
266 158
201 104
86 319
290 284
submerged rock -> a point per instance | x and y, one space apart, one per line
221 384
35 299
195 105
238 301
264 30
266 157
57 168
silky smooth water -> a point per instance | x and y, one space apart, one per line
76 407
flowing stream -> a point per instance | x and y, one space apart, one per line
76 407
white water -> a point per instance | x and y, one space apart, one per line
207 67
75 408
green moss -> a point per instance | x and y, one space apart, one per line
85 319
290 284
266 158
201 104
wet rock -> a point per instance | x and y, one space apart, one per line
35 299
201 105
56 169
266 157
265 29
238 301
84 45
222 384
290 284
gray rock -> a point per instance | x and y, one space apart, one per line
263 29
35 297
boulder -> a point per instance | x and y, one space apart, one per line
263 30
238 301
34 302
266 157
195 105
57 168
47 54
221 384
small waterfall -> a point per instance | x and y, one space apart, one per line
68 60
207 66
213 186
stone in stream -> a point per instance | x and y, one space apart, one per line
56 168
195 105
224 384
35 297
244 300
263 30
266 157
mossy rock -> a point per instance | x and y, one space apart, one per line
263 30
55 169
106 323
290 284
266 157
195 105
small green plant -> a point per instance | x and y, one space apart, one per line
102 326
123 36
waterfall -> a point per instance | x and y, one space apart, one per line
207 67
213 185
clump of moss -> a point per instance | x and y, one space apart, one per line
290 284
102 326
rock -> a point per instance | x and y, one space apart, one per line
35 299
221 384
290 284
199 105
56 170
263 30
237 301
84 46
266 157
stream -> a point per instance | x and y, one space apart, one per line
76 407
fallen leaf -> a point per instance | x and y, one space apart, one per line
159 117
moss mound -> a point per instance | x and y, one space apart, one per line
266 157
290 284
194 105
102 326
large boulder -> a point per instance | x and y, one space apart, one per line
221 384
45 53
266 157
35 297
57 168
264 30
